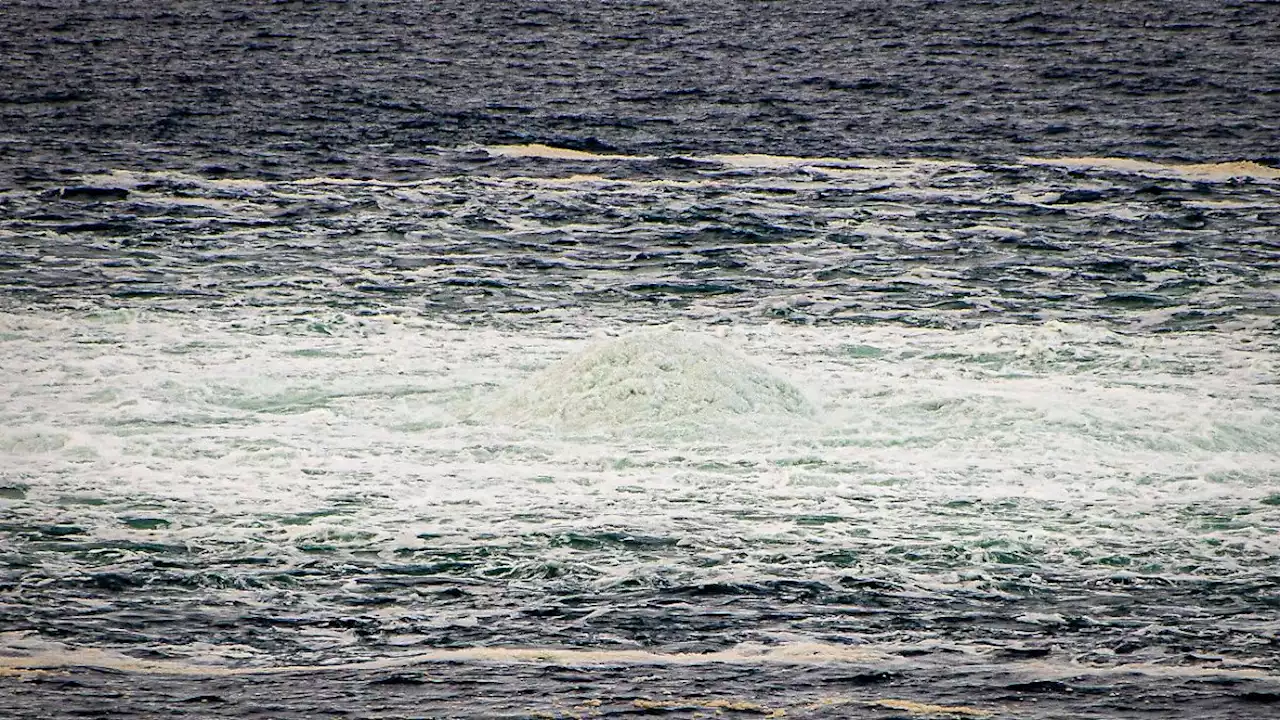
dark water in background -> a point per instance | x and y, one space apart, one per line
1163 608
297 89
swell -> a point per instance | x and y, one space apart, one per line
283 93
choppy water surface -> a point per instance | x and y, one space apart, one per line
299 89
570 360
995 438
525 235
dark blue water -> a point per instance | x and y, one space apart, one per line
329 384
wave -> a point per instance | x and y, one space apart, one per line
34 656
764 161
1206 171
656 381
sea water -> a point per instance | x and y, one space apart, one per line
609 434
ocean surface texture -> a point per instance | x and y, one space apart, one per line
598 360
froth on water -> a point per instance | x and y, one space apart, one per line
659 384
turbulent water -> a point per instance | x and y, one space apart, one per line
517 430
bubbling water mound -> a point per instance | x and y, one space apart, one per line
658 382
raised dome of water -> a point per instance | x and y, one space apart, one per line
655 382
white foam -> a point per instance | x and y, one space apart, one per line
258 435
28 653
663 382
1206 171
535 150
